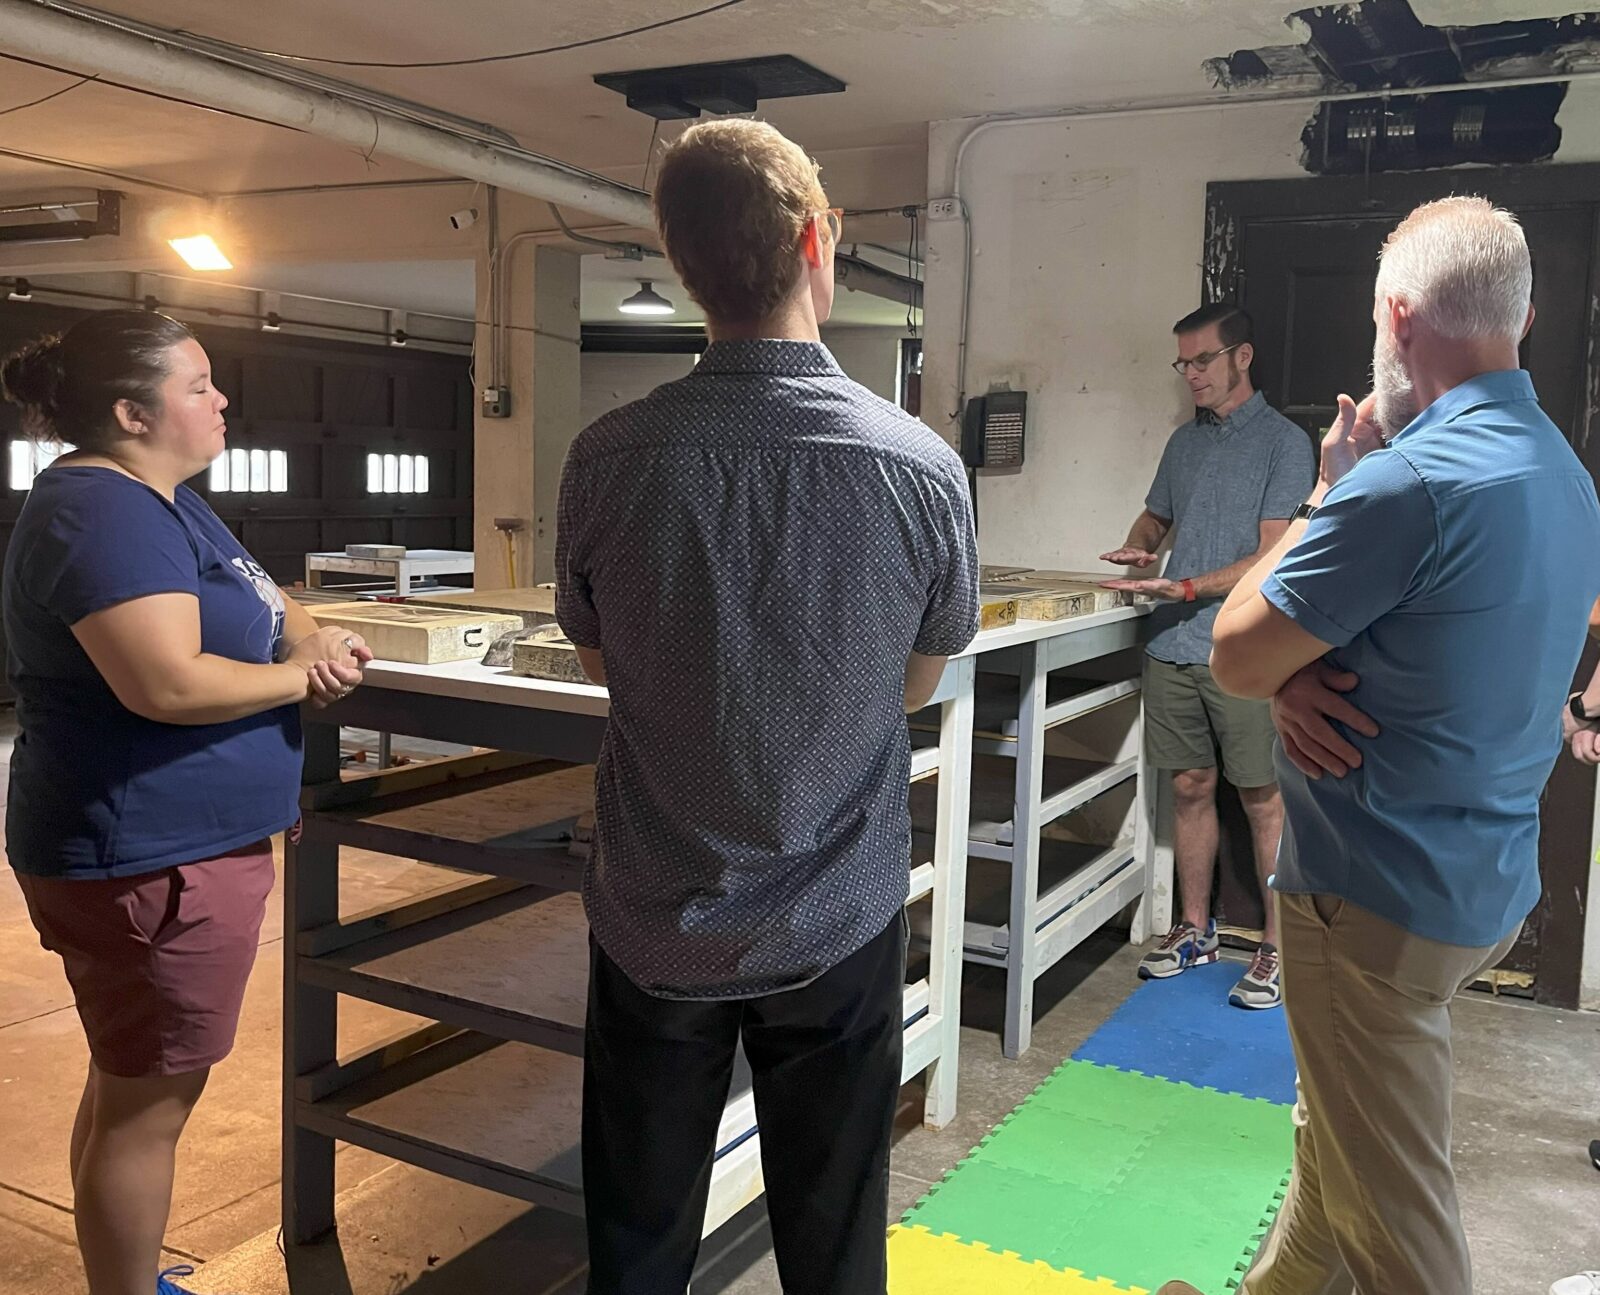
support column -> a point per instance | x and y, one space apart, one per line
517 460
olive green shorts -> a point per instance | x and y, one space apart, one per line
1188 719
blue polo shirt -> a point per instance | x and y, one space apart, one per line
1453 572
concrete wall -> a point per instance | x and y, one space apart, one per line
1086 248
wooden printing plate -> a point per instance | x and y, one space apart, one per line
997 606
535 606
1078 582
548 654
416 635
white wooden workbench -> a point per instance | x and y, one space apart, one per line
491 1093
417 565
1071 686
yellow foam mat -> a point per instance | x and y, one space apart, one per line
926 1263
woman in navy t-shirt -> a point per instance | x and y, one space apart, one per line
157 670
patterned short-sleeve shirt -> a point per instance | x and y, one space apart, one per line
757 549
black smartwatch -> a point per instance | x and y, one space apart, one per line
1303 513
1575 705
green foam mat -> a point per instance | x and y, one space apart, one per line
1123 1177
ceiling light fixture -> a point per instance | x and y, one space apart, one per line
200 252
647 301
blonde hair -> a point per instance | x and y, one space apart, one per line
732 201
1462 264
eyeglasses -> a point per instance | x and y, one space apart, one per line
834 219
1202 361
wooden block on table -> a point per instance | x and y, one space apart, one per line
548 654
416 635
1046 602
535 606
988 573
1088 581
384 551
997 606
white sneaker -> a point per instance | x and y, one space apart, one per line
1578 1284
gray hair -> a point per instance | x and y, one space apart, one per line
1462 265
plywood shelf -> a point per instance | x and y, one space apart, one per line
514 822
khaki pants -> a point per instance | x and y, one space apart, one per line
1371 1206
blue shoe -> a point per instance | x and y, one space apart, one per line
164 1286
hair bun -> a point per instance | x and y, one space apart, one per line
33 378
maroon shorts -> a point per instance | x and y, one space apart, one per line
157 962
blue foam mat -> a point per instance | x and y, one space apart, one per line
1185 1029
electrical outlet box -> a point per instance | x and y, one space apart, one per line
944 208
497 402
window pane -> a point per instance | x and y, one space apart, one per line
258 470
422 474
278 471
374 474
21 465
219 474
405 474
391 474
238 470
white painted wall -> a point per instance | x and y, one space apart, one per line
1086 249
610 381
869 355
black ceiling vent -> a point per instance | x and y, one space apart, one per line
681 93
1414 132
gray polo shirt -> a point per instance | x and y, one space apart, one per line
757 548
1218 481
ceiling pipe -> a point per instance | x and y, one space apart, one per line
169 65
862 276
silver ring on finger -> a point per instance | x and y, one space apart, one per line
349 645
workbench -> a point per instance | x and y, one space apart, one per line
490 1092
419 565
1058 740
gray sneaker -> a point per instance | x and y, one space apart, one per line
1183 947
1259 986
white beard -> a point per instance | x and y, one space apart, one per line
1392 389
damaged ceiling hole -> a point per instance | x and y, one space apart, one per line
1382 46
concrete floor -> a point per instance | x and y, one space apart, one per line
1527 1105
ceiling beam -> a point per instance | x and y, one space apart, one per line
91 43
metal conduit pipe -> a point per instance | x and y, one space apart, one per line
62 34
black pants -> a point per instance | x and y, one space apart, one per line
826 1065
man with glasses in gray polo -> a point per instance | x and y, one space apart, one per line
1229 481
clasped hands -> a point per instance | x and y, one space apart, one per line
333 659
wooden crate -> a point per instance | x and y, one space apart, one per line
416 635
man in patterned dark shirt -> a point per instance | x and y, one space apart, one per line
767 565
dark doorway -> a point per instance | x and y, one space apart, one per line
1301 256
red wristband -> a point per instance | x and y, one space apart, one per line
1189 594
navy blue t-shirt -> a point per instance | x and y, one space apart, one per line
97 791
